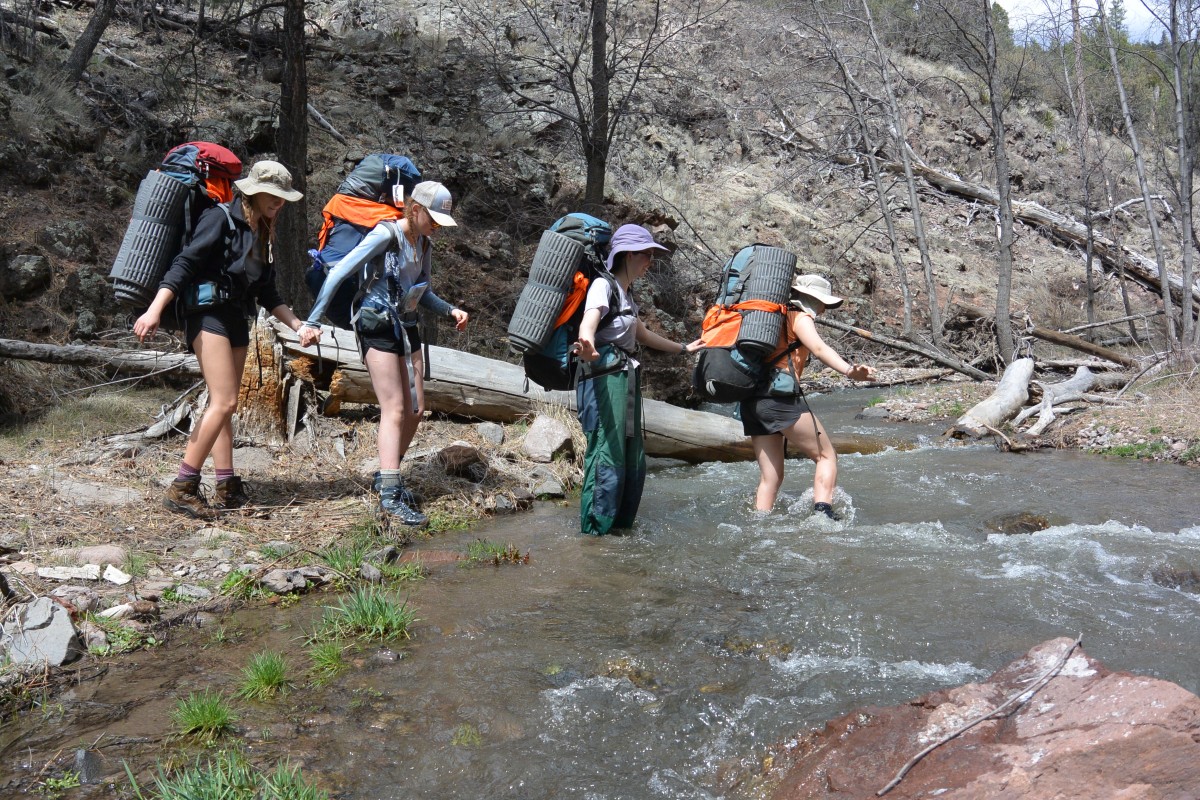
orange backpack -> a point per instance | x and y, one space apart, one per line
745 331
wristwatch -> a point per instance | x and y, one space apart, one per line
683 351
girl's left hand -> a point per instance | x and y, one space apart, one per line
460 319
696 345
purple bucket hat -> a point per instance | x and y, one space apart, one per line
631 239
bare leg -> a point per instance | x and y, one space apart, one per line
222 450
221 366
397 423
412 420
809 437
768 451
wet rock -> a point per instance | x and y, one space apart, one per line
874 412
1087 732
384 555
1016 524
1183 578
544 483
284 581
88 766
370 573
547 439
40 632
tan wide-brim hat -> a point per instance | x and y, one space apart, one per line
816 287
270 177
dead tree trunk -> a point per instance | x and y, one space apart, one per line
1003 404
139 361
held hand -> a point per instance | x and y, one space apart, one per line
696 345
860 372
147 324
309 335
460 319
586 350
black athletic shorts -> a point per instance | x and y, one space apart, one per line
762 416
227 321
390 344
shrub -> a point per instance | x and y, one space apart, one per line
203 715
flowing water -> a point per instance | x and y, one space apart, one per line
643 666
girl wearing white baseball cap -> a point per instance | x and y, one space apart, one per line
401 255
782 414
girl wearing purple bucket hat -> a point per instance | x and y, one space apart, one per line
609 396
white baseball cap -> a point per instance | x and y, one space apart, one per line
436 198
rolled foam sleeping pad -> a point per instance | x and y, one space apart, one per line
151 240
541 301
770 280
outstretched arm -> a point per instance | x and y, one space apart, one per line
806 331
654 341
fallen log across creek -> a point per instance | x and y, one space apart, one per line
467 385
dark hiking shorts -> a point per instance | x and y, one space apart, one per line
762 416
227 321
390 344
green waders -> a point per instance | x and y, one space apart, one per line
614 467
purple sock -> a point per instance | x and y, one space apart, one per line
186 472
224 474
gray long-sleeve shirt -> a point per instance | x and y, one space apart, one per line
416 264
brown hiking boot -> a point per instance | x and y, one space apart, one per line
230 493
183 496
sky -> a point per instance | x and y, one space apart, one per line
1138 21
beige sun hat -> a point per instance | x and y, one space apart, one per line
436 198
270 177
816 287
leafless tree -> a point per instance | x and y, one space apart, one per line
291 146
1143 181
580 61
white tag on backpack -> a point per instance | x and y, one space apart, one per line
398 195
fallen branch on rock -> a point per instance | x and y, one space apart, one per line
1023 696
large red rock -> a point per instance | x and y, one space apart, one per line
1088 733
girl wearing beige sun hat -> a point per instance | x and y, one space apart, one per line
224 270
782 415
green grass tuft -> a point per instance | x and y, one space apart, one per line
482 551
328 660
229 777
204 716
367 613
265 677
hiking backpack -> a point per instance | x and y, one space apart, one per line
373 192
192 178
545 324
743 330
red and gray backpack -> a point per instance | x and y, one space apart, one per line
192 178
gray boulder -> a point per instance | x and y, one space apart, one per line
547 439
24 277
41 632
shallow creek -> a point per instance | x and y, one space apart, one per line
643 666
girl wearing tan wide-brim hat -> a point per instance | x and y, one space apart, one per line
226 268
782 414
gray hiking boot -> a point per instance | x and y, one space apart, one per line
183 496
230 493
392 503
406 495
